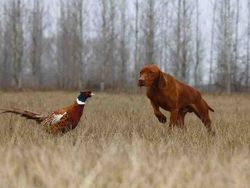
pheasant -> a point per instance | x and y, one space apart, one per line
59 121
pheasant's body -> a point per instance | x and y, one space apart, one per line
64 119
59 121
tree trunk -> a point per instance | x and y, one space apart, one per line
197 55
123 44
235 62
248 46
178 45
104 37
137 66
36 46
212 45
17 43
150 33
184 44
227 35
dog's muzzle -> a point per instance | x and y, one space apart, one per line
140 82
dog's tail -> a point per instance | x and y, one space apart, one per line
24 113
209 107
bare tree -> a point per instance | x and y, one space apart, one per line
183 62
17 41
37 29
228 44
236 44
6 74
108 43
123 49
212 43
181 50
1 47
162 29
248 46
225 45
150 31
104 36
70 44
77 29
178 41
136 60
63 54
166 38
198 48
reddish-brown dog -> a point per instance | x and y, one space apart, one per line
172 95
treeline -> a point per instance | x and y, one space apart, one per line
103 44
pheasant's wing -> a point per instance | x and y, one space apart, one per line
58 122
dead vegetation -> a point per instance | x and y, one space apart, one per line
119 143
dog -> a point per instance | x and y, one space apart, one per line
178 98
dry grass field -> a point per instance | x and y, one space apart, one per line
119 143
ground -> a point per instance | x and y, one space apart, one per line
119 143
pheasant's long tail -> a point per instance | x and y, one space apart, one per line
24 113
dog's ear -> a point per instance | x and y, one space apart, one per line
162 80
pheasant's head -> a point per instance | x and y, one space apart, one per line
84 95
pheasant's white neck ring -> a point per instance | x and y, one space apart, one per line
80 102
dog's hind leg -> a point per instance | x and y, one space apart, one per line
180 121
202 112
173 118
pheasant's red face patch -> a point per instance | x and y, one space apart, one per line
87 93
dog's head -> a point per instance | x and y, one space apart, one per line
149 75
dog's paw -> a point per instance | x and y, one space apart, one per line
162 119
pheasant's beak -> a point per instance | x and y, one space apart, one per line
92 94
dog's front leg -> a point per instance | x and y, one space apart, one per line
160 116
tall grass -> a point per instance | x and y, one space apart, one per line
119 143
